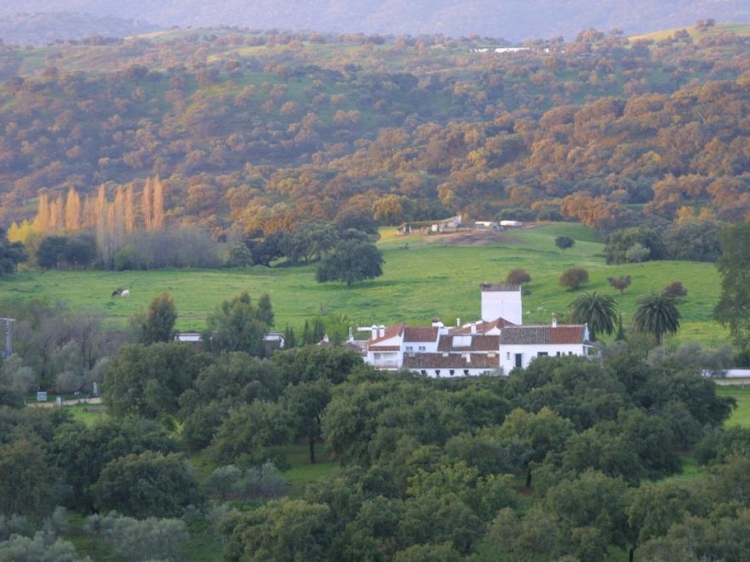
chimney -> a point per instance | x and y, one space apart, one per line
473 328
458 322
374 330
554 320
381 331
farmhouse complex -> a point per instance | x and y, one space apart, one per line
496 343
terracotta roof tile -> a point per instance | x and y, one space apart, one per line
420 334
536 335
417 361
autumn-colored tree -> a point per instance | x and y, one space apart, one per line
129 212
73 211
42 219
158 205
146 206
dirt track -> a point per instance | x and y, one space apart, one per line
52 403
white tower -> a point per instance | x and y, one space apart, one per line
502 300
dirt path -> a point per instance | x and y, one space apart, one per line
51 403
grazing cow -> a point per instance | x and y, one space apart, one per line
117 292
125 293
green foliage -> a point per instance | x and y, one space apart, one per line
26 483
42 547
596 310
694 240
350 262
76 252
158 324
252 434
283 529
148 484
148 380
134 540
239 325
657 315
81 452
734 269
564 242
647 243
11 254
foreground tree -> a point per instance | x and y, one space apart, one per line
598 311
147 381
657 314
239 325
149 484
11 254
158 324
733 309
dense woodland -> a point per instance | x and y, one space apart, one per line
261 131
569 459
260 137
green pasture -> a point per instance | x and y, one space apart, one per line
741 414
425 276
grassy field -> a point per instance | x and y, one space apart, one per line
424 277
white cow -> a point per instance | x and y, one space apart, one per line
125 293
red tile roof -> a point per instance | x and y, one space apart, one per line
536 335
420 334
417 361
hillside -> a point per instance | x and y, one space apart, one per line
45 28
512 20
255 132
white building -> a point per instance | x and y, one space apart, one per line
495 344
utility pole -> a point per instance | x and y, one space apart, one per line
8 330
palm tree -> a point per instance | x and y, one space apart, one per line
598 311
657 315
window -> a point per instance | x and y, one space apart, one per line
437 372
558 354
542 354
378 356
466 372
422 348
507 356
423 372
519 360
452 372
409 348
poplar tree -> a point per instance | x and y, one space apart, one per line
73 210
146 210
129 209
42 220
158 205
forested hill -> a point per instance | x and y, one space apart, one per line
264 130
514 20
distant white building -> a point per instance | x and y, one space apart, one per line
495 344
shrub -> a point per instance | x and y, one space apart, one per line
676 290
518 276
620 283
574 278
